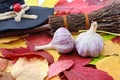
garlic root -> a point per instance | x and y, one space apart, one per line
62 41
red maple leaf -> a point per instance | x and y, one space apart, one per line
85 73
38 39
21 52
79 71
79 6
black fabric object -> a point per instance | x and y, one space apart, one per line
11 24
42 14
6 4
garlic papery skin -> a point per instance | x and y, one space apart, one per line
89 43
62 41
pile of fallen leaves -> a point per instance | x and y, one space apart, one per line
19 61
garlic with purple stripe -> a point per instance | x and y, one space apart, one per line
62 41
89 43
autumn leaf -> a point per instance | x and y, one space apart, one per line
59 67
38 39
49 3
54 78
72 76
111 48
111 65
77 6
1 54
32 2
85 73
31 41
95 60
107 36
78 62
116 40
75 57
15 44
81 70
11 39
10 65
21 52
55 54
32 69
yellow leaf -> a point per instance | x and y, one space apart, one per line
55 54
11 39
111 65
75 34
32 2
54 78
49 3
33 69
16 44
111 48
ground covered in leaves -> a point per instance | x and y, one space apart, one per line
19 61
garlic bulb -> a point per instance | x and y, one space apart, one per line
62 41
89 43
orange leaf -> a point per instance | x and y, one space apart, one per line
54 78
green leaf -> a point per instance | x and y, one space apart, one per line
108 36
95 60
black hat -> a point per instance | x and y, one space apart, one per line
11 24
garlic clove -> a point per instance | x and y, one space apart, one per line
62 41
89 43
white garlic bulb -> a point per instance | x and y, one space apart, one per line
89 43
62 41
